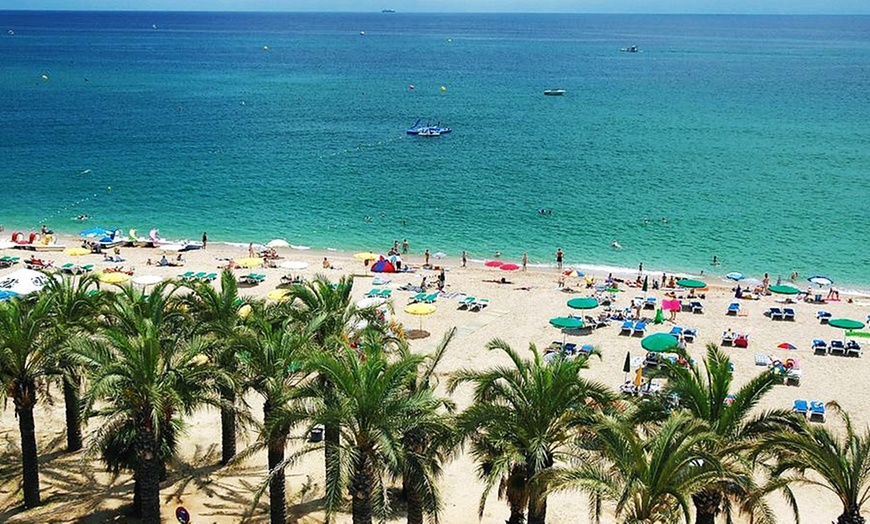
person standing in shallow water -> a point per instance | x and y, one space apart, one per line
559 256
204 239
426 258
464 258
525 260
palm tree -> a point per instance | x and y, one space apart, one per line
524 417
706 395
25 363
840 462
272 358
74 307
648 472
371 404
144 375
426 442
329 309
218 321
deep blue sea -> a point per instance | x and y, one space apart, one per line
744 137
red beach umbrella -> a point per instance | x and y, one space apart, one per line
509 267
493 263
786 345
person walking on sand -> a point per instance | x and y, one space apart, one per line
426 258
405 246
204 239
559 256
464 258
525 260
251 250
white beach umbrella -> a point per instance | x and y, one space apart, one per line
293 264
171 247
147 280
277 243
370 301
23 281
439 255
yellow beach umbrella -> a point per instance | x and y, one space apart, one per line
114 278
420 309
245 311
366 255
250 262
76 251
278 295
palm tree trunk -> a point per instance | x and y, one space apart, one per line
415 505
361 489
277 489
137 494
851 515
228 425
517 516
707 504
148 476
537 511
29 457
72 407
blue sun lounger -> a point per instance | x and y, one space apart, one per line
788 314
820 347
775 313
801 407
466 303
733 309
689 334
627 328
639 329
817 410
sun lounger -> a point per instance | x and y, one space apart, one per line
820 347
417 298
373 293
823 316
430 298
479 304
209 277
689 334
649 303
801 407
253 279
386 293
853 349
817 410
837 348
651 360
639 329
788 314
627 328
594 323
697 307
187 275
741 341
762 360
570 348
728 339
466 303
733 309
585 349
775 313
554 345
676 331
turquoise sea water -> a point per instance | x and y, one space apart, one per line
750 135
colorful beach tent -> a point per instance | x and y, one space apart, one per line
383 266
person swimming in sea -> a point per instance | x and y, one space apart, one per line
615 245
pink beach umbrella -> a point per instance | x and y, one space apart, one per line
493 263
509 267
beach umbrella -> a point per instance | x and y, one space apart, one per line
172 247
752 282
820 280
6 295
439 255
370 302
626 366
76 251
566 322
583 303
365 255
245 311
147 280
784 290
23 281
509 267
659 343
493 263
250 262
277 243
420 309
846 323
293 264
114 277
786 345
735 276
691 283
278 295
574 273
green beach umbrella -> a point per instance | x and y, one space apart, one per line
784 290
566 322
690 283
846 323
583 303
659 343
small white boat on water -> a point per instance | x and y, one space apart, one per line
429 132
554 92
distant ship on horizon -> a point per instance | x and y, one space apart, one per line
388 10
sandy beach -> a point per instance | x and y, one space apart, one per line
75 488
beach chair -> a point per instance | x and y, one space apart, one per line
727 339
741 341
775 313
466 303
585 349
639 329
649 303
87 268
817 410
570 348
820 347
788 314
823 317
187 275
430 298
373 293
67 268
210 277
801 407
853 349
651 360
479 304
838 348
762 360
593 322
689 334
697 307
386 293
554 346
416 298
676 331
627 328
733 309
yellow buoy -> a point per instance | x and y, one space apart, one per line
443 88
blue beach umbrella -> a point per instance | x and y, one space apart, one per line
820 280
735 276
94 232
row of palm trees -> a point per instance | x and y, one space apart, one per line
141 364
